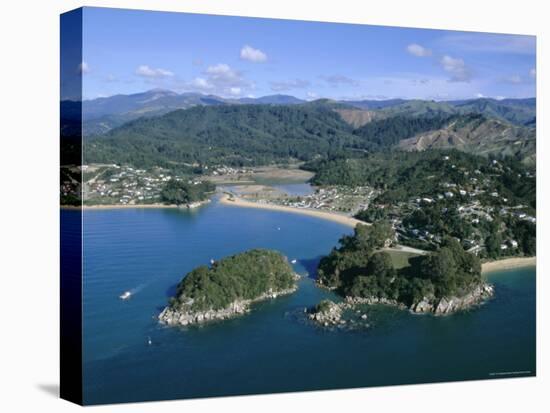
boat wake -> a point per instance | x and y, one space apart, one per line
127 294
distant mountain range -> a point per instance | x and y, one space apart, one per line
103 114
245 133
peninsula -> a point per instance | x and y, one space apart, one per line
228 287
440 282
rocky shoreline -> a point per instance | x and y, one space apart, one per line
186 317
449 305
198 204
330 314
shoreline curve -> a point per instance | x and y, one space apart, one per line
508 264
331 216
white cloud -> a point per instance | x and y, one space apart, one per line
457 68
223 74
418 51
514 79
285 85
490 43
201 83
422 81
533 73
312 95
235 91
110 78
413 85
253 55
337 80
149 72
83 68
219 79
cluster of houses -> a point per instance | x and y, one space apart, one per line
69 188
125 185
70 184
474 202
474 213
334 198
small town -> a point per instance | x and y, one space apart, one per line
340 199
472 205
119 185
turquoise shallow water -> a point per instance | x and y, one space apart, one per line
273 349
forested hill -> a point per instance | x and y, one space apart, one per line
520 112
263 134
103 114
230 134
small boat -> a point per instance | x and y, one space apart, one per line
212 261
149 341
125 295
293 261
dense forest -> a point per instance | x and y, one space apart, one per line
243 276
357 268
182 192
230 135
383 133
102 114
260 134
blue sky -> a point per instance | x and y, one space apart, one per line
133 51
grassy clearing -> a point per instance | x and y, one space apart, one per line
400 259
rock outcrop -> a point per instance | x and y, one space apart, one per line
353 301
197 204
448 305
327 313
341 315
427 305
185 316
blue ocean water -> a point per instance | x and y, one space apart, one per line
273 349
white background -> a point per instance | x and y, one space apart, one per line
29 221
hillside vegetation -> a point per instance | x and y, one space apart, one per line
185 193
479 135
102 114
259 134
358 269
232 135
401 175
244 276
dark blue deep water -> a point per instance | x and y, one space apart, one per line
273 349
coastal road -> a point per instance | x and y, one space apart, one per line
404 248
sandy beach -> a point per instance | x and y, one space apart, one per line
137 206
508 263
143 206
331 216
225 199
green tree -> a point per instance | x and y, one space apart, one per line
181 192
492 245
